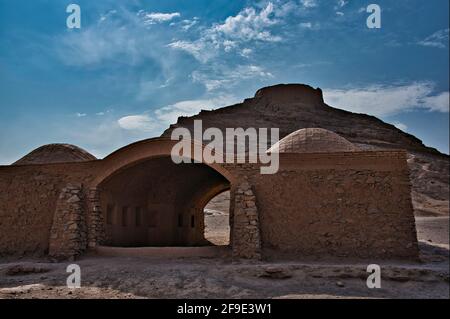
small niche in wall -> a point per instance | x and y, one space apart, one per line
138 220
152 218
109 214
192 221
124 216
180 220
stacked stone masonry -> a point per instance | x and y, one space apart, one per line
68 235
246 240
96 235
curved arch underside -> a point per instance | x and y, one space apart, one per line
158 203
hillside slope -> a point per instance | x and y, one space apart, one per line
295 106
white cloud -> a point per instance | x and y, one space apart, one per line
80 114
143 123
249 25
439 103
162 117
362 9
101 42
439 39
157 17
307 25
198 49
338 7
187 24
285 9
107 15
225 79
121 37
246 52
309 3
342 3
401 126
102 134
383 100
92 46
170 113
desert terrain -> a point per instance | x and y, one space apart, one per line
169 275
220 277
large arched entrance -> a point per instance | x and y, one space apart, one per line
146 200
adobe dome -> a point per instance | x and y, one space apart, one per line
312 140
55 153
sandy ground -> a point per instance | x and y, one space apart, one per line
217 224
433 229
153 277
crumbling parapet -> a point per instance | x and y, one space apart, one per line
68 234
246 241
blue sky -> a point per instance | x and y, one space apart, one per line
134 66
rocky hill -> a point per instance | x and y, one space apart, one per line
295 106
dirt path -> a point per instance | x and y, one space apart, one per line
150 277
143 277
433 229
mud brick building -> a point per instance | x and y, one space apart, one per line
328 199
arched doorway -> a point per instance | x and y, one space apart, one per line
146 200
158 203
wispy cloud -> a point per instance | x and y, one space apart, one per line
341 3
198 49
114 35
439 39
143 123
119 36
383 100
249 25
160 118
309 3
216 78
170 113
401 126
157 17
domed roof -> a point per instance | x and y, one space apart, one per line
55 153
312 140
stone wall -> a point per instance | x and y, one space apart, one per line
246 241
68 235
28 200
338 206
94 219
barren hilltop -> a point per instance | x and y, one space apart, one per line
291 107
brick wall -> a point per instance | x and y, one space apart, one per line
337 205
343 204
28 200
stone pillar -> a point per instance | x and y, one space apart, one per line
96 226
68 238
246 242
